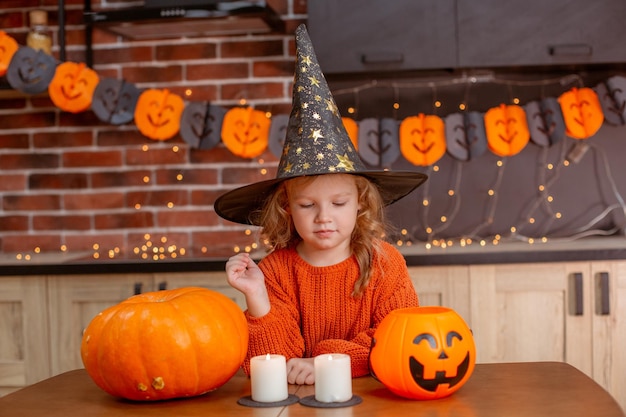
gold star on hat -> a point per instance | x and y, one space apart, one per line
316 143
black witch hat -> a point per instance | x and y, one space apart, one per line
316 143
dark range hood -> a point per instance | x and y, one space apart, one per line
159 19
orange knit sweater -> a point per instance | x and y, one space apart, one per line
312 311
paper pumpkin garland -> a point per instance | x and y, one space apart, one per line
114 101
72 87
582 112
545 121
465 135
422 139
201 125
245 131
8 47
506 129
158 112
378 141
30 70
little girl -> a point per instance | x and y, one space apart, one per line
330 279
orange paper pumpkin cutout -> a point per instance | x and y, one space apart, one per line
353 131
506 129
582 112
72 87
8 47
245 131
158 113
422 139
423 353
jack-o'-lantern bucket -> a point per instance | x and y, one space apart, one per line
423 353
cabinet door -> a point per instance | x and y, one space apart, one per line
214 280
382 35
74 301
23 332
532 312
536 32
443 286
608 310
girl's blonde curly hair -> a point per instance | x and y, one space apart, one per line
278 230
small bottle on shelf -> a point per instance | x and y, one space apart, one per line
39 36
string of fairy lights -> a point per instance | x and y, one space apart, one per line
158 246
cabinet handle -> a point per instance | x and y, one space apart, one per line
576 294
579 49
137 288
162 285
603 305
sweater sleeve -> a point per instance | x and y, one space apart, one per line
278 332
390 288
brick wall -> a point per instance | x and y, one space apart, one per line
70 183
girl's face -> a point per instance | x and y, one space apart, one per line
324 211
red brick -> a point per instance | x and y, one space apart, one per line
92 159
153 74
85 241
141 219
28 243
93 201
244 175
31 120
31 202
220 244
120 138
205 197
253 91
279 6
155 156
219 154
158 198
16 182
218 71
119 179
185 52
14 223
61 223
188 176
57 181
249 49
17 103
86 118
16 141
123 54
62 139
187 218
282 68
203 92
15 19
158 239
29 161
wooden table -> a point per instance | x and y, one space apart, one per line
534 389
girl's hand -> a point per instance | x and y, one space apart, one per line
301 371
244 275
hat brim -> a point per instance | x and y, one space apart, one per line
243 205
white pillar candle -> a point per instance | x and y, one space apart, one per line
333 378
268 377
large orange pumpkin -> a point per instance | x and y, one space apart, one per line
166 344
423 353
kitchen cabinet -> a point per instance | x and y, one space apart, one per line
24 342
572 312
370 36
